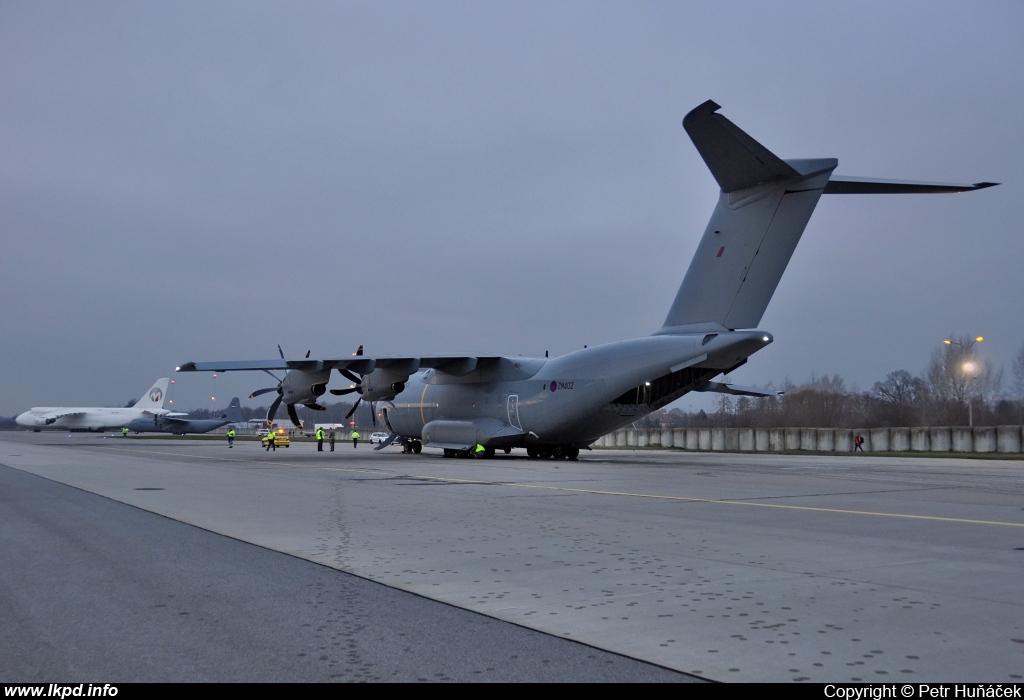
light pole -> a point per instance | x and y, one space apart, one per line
969 368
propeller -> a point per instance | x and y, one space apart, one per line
357 386
272 411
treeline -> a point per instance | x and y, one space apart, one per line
957 388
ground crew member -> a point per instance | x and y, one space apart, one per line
479 451
271 440
319 439
231 437
355 438
858 443
124 432
330 437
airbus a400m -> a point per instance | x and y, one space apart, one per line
554 407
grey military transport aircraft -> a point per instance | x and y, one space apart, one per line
553 407
180 424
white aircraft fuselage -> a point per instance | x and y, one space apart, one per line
96 418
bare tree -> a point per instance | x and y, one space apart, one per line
958 378
1018 375
900 397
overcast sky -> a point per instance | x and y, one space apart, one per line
202 181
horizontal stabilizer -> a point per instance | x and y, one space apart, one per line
736 161
737 390
838 184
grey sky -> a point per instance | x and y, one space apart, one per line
201 181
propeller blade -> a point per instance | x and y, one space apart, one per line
260 392
308 351
350 376
280 351
341 392
315 406
294 415
354 407
273 409
391 438
373 414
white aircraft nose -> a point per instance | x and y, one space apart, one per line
25 420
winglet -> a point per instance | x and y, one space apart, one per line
736 160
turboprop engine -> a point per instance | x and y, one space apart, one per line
383 384
304 388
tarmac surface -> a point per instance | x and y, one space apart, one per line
723 566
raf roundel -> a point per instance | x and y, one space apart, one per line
554 385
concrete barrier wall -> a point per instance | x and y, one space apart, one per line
1008 438
941 439
745 440
844 440
899 439
963 440
1005 438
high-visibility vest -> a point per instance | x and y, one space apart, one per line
480 448
320 434
231 433
355 435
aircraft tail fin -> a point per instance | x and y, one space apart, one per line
154 398
763 208
234 411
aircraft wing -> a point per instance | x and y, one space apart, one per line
172 417
162 414
451 364
58 414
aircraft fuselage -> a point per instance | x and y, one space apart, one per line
568 400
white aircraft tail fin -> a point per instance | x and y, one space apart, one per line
154 398
763 208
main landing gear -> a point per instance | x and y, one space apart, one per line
556 452
412 447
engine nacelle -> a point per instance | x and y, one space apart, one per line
304 387
384 384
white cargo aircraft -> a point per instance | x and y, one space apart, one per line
555 406
98 419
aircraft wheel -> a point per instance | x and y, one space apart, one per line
546 453
508 450
417 447
572 454
447 452
532 453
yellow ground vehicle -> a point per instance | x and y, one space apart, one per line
281 438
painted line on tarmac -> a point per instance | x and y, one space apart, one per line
593 492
